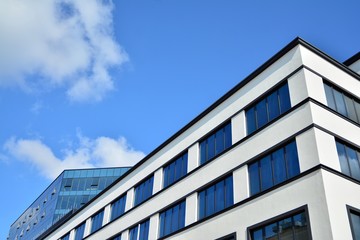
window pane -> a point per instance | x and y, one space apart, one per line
271 231
228 140
210 203
355 224
353 163
229 195
220 196
292 160
261 113
79 232
182 215
342 158
285 229
350 108
279 166
257 235
168 221
171 173
357 109
211 147
184 164
266 173
220 141
203 156
202 204
273 105
250 120
133 233
162 224
144 230
175 218
284 99
340 103
300 227
329 97
254 178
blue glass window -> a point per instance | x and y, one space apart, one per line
355 224
274 168
116 238
291 228
349 159
66 237
175 170
172 219
216 143
267 108
118 207
216 197
96 221
140 232
144 190
343 103
79 232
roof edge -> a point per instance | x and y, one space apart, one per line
352 59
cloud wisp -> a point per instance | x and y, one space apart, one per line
49 44
99 152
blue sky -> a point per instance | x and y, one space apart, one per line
92 84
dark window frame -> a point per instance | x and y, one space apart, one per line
352 147
164 211
227 237
113 202
101 211
291 213
352 210
136 188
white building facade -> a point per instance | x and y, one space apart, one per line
277 157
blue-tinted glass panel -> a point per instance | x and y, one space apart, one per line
116 238
292 160
344 165
353 162
261 113
175 218
202 204
144 230
340 103
210 201
273 105
219 141
203 155
79 232
118 207
271 231
211 147
330 97
278 159
172 219
254 178
133 233
219 196
266 173
251 120
350 108
300 227
208 204
285 229
182 209
171 173
257 235
227 132
284 98
66 237
96 221
355 225
357 109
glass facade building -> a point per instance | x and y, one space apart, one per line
68 192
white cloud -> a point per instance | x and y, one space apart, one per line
99 152
59 43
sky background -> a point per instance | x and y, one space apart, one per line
101 83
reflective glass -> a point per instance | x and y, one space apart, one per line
227 132
211 147
172 219
278 158
357 109
203 155
284 98
286 229
250 120
271 231
79 232
133 233
273 105
144 230
210 201
266 173
292 160
340 103
353 162
96 221
202 204
118 207
350 108
254 178
66 237
300 227
344 165
330 97
144 190
261 113
219 141
219 196
355 225
257 235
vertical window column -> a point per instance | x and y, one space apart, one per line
238 130
193 157
172 219
144 190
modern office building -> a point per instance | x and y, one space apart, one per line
67 193
277 157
